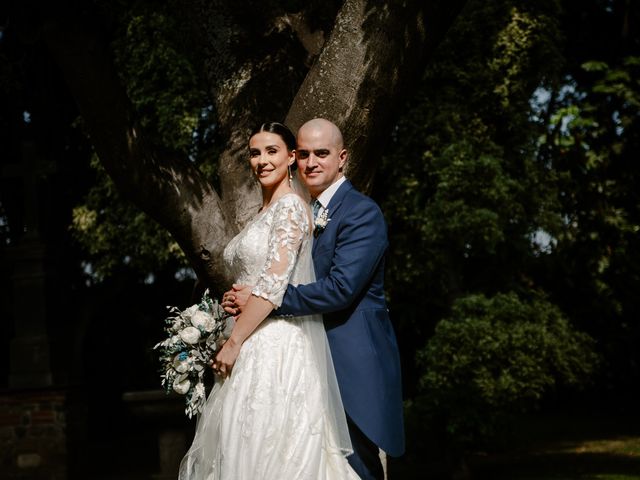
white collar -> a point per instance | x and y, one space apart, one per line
325 197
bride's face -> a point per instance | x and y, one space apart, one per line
270 159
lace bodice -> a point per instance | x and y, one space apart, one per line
265 252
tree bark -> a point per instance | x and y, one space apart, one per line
374 52
252 77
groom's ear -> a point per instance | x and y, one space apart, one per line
343 155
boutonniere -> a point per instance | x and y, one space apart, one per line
321 222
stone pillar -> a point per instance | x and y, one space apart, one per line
30 356
33 414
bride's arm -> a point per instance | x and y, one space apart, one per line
254 312
290 227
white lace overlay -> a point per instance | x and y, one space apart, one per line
279 415
289 225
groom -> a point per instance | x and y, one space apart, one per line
348 255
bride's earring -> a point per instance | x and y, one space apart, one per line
290 175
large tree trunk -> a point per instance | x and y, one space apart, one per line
252 78
374 52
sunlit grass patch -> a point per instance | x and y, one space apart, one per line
616 457
615 477
620 445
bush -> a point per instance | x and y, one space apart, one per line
496 356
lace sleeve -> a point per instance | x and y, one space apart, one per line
289 228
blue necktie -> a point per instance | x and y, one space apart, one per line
315 207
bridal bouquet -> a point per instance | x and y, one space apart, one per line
194 335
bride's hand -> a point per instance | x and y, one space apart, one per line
229 302
234 300
226 358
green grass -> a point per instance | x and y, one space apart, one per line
604 459
547 447
567 448
616 477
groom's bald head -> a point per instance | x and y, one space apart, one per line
321 126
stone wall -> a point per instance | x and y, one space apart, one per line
33 435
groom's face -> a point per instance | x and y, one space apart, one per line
320 158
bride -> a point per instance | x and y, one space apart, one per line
275 411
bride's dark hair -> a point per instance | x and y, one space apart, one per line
279 129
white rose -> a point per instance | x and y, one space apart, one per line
180 366
182 387
202 320
191 310
190 335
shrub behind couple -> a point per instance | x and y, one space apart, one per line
283 385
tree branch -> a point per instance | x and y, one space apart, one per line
165 186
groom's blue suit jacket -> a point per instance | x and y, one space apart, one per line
349 262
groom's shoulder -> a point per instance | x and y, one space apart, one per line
356 198
363 209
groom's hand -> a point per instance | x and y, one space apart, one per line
234 300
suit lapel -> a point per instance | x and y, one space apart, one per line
334 205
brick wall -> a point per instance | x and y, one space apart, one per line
33 435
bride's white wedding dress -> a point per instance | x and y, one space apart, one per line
279 415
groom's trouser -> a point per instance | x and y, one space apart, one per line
365 459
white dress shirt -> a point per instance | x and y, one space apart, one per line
325 197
